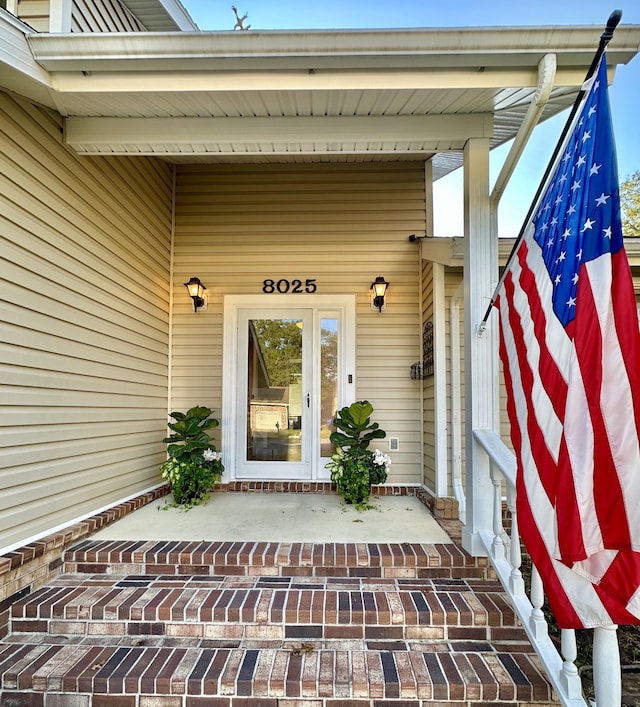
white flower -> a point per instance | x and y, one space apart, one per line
381 459
211 456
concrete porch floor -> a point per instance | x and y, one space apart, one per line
282 517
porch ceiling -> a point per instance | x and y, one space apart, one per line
310 96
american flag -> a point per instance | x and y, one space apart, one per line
570 347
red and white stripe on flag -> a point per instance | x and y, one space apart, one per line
570 347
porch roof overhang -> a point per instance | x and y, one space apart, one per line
305 96
450 251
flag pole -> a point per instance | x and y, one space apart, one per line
605 38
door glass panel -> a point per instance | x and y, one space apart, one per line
328 382
274 390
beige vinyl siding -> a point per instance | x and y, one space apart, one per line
84 271
452 281
429 401
103 16
35 13
342 224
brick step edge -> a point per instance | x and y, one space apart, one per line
272 673
66 699
287 559
143 601
268 632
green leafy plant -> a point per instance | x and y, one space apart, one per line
355 429
193 465
354 467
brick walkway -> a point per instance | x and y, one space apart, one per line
211 624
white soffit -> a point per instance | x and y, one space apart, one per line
161 15
313 95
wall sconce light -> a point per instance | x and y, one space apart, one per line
379 288
196 292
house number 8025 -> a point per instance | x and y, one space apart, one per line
283 286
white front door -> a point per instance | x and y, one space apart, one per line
288 369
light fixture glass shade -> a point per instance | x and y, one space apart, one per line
196 291
379 288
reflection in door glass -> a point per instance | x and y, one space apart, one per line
328 382
274 394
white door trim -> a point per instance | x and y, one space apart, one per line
232 304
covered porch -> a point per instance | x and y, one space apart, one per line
381 607
136 162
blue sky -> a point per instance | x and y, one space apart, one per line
363 14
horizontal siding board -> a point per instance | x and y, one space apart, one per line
50 343
92 429
25 417
76 298
72 363
105 338
428 387
35 13
27 467
89 178
27 519
71 234
34 7
381 229
340 224
76 383
14 395
46 204
312 217
84 261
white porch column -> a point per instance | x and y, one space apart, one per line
439 351
481 351
428 197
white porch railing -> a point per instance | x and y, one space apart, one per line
503 550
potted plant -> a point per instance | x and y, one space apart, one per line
193 465
354 467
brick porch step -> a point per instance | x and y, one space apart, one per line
309 676
385 560
212 607
214 624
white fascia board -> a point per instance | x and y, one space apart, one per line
178 13
440 250
229 82
19 72
429 130
319 49
450 251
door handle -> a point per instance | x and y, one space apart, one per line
308 400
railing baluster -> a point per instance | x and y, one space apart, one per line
560 666
537 621
570 675
516 582
498 528
606 664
